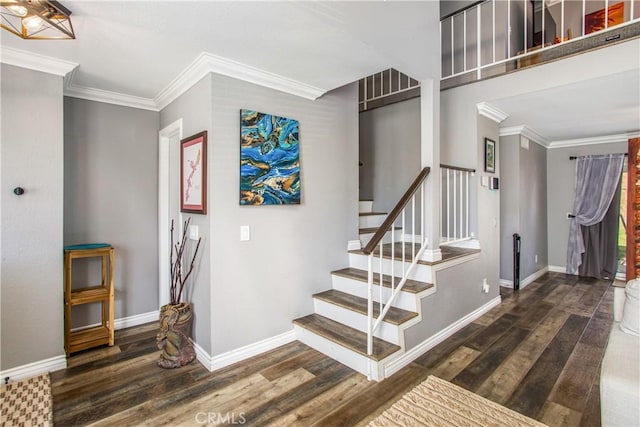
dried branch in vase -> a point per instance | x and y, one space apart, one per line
178 277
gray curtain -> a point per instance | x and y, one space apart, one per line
600 257
596 180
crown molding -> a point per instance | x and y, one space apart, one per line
491 112
75 91
527 132
35 61
208 63
606 139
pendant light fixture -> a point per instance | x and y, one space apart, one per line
37 19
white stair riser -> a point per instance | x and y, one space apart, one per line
405 300
354 360
365 237
367 221
386 331
365 206
421 272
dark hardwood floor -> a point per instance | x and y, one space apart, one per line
538 353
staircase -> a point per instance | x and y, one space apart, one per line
338 327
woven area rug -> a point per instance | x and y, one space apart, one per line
436 402
27 402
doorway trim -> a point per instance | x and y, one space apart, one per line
165 136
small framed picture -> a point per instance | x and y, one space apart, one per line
489 155
193 174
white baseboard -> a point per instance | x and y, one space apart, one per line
426 345
127 322
36 368
527 280
213 363
558 268
60 362
136 319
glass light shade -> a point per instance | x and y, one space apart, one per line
32 22
18 10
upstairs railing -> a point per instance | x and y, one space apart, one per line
407 247
499 31
456 185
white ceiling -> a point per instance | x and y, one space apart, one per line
138 47
597 107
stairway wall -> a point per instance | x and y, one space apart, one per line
389 151
259 286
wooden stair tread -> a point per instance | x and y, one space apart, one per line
395 316
371 213
368 230
347 337
448 252
412 286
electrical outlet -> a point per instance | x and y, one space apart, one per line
485 286
536 259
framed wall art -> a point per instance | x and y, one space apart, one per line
193 174
489 155
269 159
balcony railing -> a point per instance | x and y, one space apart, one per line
515 32
457 184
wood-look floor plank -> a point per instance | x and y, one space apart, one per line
456 363
485 364
572 388
591 414
556 415
501 384
378 397
485 339
314 409
436 355
531 318
293 398
157 402
306 357
532 392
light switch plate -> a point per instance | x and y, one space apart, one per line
194 232
245 233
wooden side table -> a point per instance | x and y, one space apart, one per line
103 293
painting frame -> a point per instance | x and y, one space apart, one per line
193 174
489 155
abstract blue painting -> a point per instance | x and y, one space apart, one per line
269 159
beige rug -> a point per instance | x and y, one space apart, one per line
27 402
436 402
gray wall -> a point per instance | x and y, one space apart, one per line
260 286
509 201
111 195
390 152
523 205
31 153
459 289
561 193
195 108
